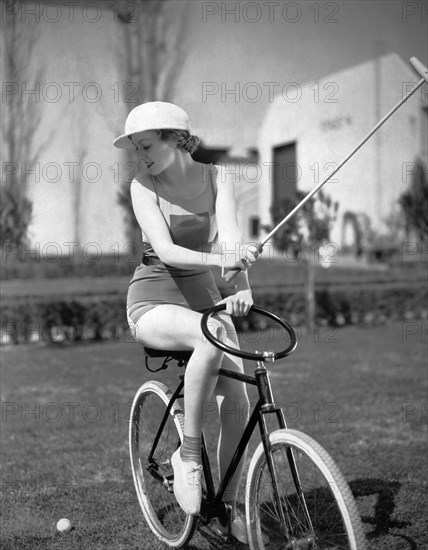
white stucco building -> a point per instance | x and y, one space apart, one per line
310 129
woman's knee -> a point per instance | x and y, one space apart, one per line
229 328
218 331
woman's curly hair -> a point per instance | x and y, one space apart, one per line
182 138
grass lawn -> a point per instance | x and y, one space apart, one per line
361 393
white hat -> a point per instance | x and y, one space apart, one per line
155 115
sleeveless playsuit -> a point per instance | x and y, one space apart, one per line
192 224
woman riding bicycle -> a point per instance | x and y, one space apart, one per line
187 214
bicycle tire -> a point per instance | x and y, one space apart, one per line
335 519
161 510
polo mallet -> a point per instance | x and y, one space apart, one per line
423 72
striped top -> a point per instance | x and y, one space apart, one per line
192 222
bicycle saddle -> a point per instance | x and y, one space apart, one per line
178 355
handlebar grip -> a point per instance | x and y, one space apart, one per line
230 275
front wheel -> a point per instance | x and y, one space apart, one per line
312 508
151 465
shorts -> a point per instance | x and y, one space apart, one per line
160 285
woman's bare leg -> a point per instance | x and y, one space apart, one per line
234 406
175 327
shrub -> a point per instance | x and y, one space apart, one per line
97 318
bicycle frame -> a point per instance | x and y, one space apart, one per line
213 505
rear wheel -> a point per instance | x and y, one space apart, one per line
323 516
153 476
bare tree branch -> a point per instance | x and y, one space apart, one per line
151 57
21 118
176 64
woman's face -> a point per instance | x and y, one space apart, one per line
154 155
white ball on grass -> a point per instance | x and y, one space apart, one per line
64 525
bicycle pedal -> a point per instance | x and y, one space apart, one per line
226 533
168 483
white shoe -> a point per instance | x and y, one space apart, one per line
187 484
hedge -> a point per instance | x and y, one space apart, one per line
95 318
35 265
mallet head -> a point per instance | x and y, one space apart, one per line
419 68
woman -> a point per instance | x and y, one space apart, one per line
187 214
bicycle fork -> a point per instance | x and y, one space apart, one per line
267 406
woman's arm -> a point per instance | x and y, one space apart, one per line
229 235
230 241
153 225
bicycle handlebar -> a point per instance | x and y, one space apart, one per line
259 356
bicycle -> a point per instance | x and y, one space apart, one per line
296 497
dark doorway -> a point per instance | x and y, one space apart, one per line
286 173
